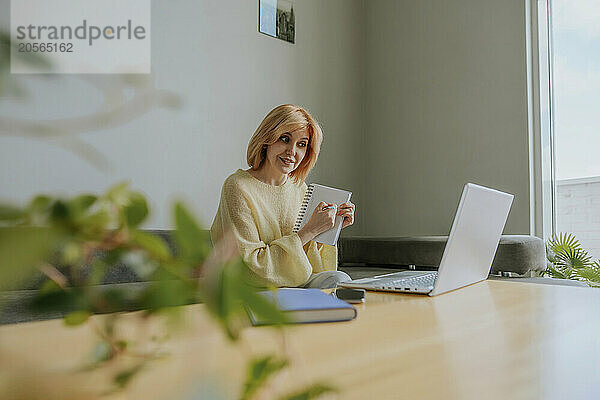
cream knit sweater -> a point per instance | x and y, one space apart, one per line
262 218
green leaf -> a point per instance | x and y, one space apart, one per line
112 299
122 344
10 213
153 244
38 210
591 273
119 194
228 296
168 293
558 272
123 378
39 204
81 203
95 224
311 392
71 253
566 255
49 287
21 250
573 258
221 297
76 318
98 270
70 299
263 308
192 241
259 371
562 242
59 212
235 274
136 210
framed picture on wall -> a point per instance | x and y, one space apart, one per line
276 18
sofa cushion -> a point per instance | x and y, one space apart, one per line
16 306
516 253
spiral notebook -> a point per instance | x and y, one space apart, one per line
313 196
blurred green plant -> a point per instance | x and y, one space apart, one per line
75 242
122 98
5 55
263 369
568 260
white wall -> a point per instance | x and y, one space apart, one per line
578 211
415 97
446 104
228 76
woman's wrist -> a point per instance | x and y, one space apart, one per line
305 235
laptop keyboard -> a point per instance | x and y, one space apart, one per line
424 281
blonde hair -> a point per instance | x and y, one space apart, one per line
285 118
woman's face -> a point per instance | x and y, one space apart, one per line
286 154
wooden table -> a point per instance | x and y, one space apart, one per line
493 340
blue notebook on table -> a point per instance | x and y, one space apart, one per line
306 306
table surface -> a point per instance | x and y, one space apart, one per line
493 340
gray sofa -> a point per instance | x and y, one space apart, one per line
517 254
516 258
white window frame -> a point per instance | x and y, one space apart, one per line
542 176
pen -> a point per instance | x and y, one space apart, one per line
328 207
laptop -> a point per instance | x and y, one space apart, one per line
469 252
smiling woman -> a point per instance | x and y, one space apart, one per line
260 205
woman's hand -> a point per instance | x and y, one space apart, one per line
321 220
346 211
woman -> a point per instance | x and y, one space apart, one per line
260 206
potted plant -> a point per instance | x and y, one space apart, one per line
568 260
